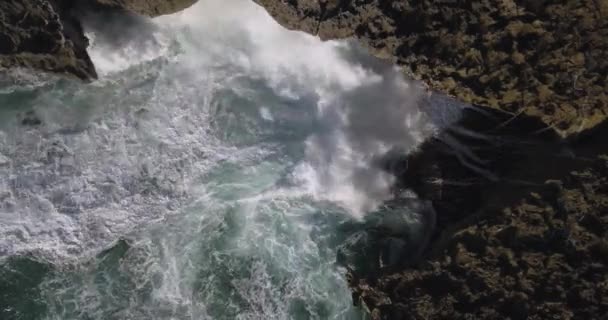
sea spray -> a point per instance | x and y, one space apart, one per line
210 173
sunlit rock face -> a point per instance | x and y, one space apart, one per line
545 59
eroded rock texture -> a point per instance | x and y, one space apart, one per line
521 213
46 35
544 257
522 228
543 58
43 35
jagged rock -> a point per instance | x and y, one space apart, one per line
522 214
46 35
545 58
530 243
43 35
544 257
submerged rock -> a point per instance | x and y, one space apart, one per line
546 59
47 35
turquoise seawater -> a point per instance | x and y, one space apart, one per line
212 172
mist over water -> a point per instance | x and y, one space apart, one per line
206 175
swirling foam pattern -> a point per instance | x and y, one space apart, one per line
204 176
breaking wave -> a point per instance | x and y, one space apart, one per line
206 175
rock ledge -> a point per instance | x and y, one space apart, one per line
46 35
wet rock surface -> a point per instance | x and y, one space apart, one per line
518 187
545 59
527 241
46 35
43 35
519 213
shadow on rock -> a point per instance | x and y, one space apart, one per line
521 216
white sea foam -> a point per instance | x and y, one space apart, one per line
362 108
207 140
79 178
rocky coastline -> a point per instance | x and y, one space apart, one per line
522 214
527 242
521 219
46 35
545 59
521 228
43 35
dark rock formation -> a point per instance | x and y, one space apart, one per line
520 225
527 241
545 58
46 35
150 8
43 35
521 213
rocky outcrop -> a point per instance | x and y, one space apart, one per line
520 216
43 35
542 58
544 257
527 241
150 8
521 213
46 35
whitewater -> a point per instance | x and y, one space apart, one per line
213 171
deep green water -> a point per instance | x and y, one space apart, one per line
213 172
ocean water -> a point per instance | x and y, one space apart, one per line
212 172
